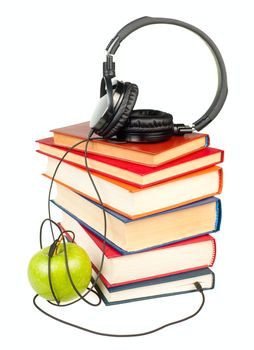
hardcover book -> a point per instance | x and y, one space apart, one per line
158 287
151 154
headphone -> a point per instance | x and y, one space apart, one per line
114 116
115 119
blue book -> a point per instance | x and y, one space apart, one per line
134 235
158 287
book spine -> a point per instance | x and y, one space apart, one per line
218 215
220 180
213 282
207 141
222 156
213 252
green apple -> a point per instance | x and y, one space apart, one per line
79 266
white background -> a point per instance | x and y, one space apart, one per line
51 55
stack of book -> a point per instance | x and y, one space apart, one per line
160 206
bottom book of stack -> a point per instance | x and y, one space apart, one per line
162 271
157 287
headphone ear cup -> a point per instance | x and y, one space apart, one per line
123 111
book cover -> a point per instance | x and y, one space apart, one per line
144 153
113 248
126 219
158 287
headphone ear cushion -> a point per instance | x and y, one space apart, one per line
149 120
122 114
147 125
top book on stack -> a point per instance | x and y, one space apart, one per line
152 155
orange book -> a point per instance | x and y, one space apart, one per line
132 201
150 154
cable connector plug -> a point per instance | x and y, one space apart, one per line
53 248
109 67
198 287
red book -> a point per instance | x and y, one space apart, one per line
119 269
151 154
135 174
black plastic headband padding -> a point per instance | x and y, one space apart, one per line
222 88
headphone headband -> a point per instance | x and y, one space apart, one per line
222 88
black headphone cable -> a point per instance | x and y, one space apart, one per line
90 289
